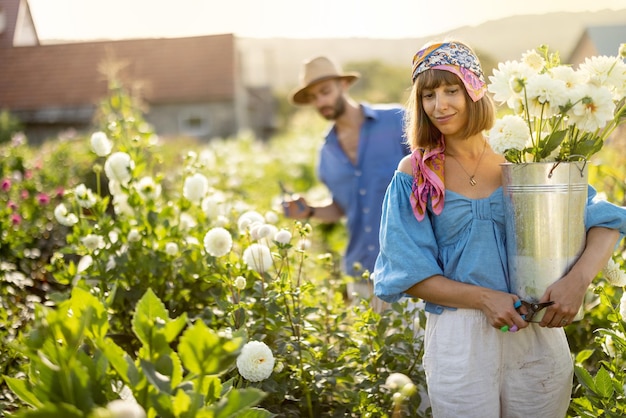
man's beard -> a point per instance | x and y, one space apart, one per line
337 110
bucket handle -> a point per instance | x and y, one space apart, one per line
581 170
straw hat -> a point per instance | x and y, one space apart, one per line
316 70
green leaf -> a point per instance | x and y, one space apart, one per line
585 378
238 401
551 142
91 311
56 410
604 383
158 380
151 317
256 413
181 402
162 404
203 352
174 327
121 362
583 355
22 389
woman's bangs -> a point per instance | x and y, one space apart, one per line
432 79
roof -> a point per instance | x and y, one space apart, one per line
68 75
607 39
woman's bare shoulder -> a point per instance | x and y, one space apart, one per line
405 165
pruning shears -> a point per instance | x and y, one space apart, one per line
532 308
291 196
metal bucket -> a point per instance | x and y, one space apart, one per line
544 207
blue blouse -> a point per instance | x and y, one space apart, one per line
466 242
359 188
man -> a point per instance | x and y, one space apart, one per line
361 152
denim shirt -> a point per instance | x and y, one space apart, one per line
466 242
358 189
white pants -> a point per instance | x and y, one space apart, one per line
475 370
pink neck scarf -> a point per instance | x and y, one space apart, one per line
427 180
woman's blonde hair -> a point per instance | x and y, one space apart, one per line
420 131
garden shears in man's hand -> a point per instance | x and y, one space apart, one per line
292 197
532 308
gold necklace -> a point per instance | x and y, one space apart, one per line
472 180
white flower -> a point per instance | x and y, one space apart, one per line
93 242
213 204
240 282
63 216
614 273
262 232
397 381
283 236
402 386
594 108
218 242
568 113
100 144
171 248
148 188
121 205
186 222
608 72
134 235
125 409
84 263
303 244
271 217
568 75
255 362
84 196
111 264
247 219
509 132
258 257
533 60
119 167
508 80
226 333
622 306
545 95
195 187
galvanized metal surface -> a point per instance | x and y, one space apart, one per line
544 211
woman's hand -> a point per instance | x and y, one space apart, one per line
499 308
567 294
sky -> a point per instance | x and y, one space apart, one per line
123 19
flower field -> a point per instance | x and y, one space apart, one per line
159 278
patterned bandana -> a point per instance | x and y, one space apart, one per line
455 58
428 180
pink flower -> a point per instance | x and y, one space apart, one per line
11 205
16 219
6 185
28 174
43 199
24 194
60 192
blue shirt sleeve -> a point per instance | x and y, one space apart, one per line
408 248
601 213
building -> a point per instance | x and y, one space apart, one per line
191 86
598 40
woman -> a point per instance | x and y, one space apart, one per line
442 239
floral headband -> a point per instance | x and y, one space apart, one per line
455 58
